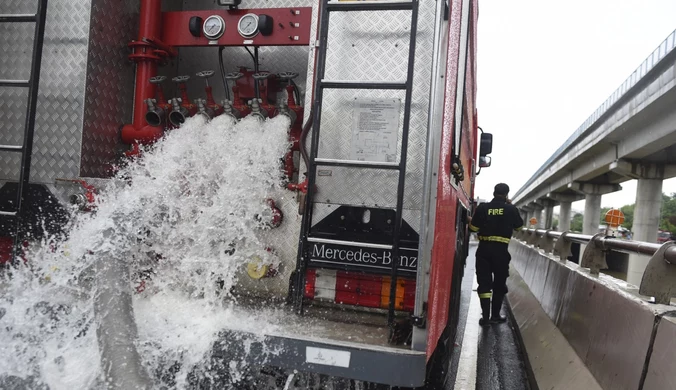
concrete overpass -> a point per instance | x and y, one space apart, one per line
632 135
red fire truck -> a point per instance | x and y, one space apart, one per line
385 150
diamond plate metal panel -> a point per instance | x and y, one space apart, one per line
86 86
58 128
16 43
335 140
373 46
354 186
284 242
109 84
370 45
12 118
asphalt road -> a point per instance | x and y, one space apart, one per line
499 359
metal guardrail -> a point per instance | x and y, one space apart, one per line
659 278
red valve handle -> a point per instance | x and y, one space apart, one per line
302 187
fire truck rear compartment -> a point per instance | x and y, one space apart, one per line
330 337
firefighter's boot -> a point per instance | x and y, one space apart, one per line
496 318
485 311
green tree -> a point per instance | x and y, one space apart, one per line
628 211
668 214
576 222
555 224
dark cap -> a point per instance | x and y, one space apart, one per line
501 189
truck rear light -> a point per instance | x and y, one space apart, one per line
325 284
398 296
310 279
409 295
357 289
6 247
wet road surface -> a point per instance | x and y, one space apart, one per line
492 354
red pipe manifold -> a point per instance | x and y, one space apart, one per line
149 51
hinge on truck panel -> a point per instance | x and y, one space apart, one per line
457 170
419 322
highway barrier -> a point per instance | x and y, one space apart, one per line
583 329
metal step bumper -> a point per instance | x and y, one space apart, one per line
387 365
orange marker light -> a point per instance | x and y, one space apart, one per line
614 218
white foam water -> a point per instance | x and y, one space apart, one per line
188 213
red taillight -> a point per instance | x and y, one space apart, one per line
6 247
357 289
310 280
409 294
352 288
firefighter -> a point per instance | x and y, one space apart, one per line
494 223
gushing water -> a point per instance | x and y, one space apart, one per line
183 218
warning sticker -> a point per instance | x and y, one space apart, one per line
327 357
375 130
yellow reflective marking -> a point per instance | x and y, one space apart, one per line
496 211
473 228
495 239
486 295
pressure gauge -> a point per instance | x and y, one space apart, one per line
214 27
248 26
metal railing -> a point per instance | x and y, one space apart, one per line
659 278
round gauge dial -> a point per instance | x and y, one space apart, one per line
248 26
214 27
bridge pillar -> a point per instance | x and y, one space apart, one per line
592 214
524 215
565 204
549 217
548 213
647 210
528 214
537 213
646 224
592 205
564 216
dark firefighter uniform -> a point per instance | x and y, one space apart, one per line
494 223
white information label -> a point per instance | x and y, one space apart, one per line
375 130
327 357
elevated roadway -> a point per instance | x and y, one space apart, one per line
632 135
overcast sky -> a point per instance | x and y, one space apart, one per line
544 66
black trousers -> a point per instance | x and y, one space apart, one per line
492 268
